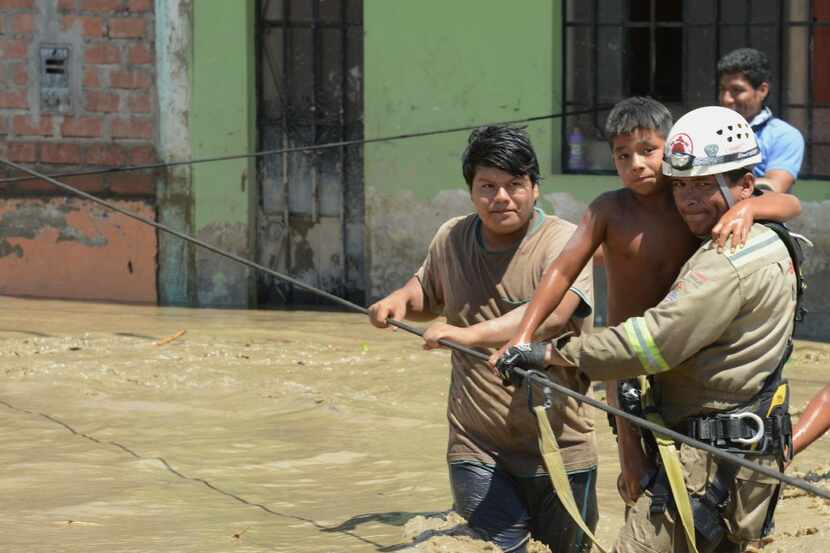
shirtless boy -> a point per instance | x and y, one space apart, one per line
644 241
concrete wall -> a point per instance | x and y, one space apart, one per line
174 199
431 65
67 248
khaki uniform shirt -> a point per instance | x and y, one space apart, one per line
713 340
461 279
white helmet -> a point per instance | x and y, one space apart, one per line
711 140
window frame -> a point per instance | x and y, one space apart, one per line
780 103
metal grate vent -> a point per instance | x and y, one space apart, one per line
54 79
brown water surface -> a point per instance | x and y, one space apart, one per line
256 431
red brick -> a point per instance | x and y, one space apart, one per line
140 54
16 4
86 127
24 152
101 101
23 125
101 5
104 154
132 128
140 5
102 53
67 5
126 27
140 103
62 153
88 183
136 184
23 23
91 27
35 185
12 49
91 79
20 73
130 79
3 127
13 99
2 25
141 155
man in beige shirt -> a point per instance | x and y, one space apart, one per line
479 269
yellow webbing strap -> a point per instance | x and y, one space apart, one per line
672 466
556 470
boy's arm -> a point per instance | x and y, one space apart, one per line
496 332
813 422
770 206
561 274
777 180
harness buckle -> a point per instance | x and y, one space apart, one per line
759 433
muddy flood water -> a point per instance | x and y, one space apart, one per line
258 431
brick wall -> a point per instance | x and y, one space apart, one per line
113 115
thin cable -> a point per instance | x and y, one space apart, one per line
294 149
532 376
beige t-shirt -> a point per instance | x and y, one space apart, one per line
461 279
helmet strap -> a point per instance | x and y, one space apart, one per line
724 189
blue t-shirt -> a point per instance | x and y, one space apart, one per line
782 145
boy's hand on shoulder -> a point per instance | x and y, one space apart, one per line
444 331
735 223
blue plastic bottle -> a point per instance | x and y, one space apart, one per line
576 149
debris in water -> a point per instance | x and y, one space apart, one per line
176 336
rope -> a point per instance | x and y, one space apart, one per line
530 376
295 149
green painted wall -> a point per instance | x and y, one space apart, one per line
222 117
433 64
222 121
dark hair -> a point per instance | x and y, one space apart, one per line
737 174
751 63
501 147
637 112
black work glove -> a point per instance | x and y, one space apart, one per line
525 356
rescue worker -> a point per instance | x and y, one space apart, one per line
711 354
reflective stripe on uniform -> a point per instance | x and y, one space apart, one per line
757 248
643 344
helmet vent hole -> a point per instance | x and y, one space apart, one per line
729 139
730 127
720 132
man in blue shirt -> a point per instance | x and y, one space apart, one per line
744 76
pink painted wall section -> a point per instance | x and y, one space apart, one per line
73 249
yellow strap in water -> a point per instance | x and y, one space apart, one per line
673 468
556 470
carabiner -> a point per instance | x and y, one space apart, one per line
759 434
